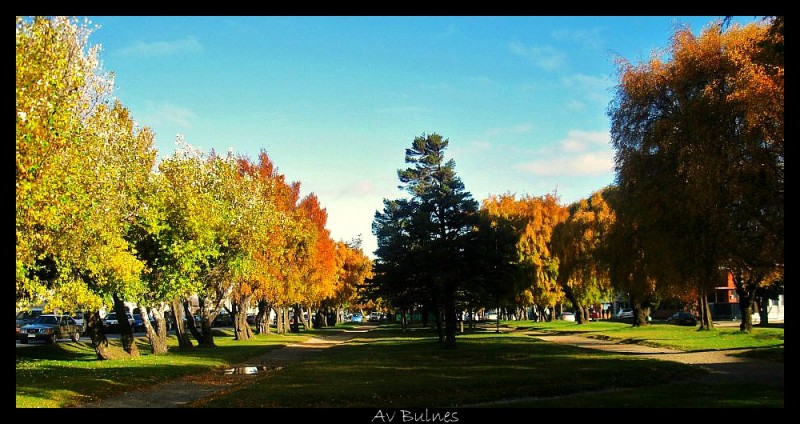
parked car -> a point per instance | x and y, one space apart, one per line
80 320
138 323
111 324
625 314
27 317
357 317
567 316
377 317
490 316
224 319
682 318
50 328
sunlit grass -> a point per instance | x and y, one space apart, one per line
686 338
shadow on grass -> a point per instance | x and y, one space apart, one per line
393 370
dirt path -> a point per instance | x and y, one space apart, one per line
721 363
185 390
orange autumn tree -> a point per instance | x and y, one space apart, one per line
320 269
699 138
282 251
353 268
532 220
578 242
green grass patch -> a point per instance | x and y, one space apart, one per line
685 338
65 374
386 368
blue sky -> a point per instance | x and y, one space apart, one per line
336 100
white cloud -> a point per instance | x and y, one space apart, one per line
358 189
480 146
588 164
402 109
168 113
545 57
481 80
589 87
140 49
576 105
591 38
516 129
581 153
470 149
449 31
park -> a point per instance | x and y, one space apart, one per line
650 274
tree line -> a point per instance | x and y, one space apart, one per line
100 221
698 196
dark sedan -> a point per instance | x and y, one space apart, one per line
50 328
682 318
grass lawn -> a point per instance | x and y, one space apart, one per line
389 369
68 373
684 338
386 369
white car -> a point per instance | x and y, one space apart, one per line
625 314
567 316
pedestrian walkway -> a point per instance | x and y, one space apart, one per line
722 364
188 389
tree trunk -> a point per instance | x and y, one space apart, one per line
280 326
439 329
262 319
283 320
332 318
278 319
125 329
180 326
156 336
306 322
241 329
206 320
317 317
294 323
450 323
424 316
192 324
640 314
404 320
641 310
746 301
580 317
763 311
705 312
94 326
